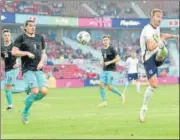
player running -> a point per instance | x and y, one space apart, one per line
11 67
31 47
109 60
132 66
153 54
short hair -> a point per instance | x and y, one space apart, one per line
25 24
106 36
28 21
5 31
155 10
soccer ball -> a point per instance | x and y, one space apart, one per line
83 37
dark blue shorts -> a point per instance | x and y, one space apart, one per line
132 76
151 66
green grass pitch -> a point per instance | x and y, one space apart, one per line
73 113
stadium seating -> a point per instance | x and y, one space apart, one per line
103 8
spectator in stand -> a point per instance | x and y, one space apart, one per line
56 69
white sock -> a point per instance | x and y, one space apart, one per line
138 84
10 106
148 93
126 85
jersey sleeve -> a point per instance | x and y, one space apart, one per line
114 51
137 60
148 33
102 52
43 43
127 61
18 41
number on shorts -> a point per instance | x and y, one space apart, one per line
9 79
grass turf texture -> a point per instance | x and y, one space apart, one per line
73 113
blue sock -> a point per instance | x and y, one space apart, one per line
30 99
116 91
28 102
8 96
39 97
103 94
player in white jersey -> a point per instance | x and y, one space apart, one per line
153 54
132 65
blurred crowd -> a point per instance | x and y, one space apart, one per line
84 8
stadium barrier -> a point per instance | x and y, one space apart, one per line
69 83
65 83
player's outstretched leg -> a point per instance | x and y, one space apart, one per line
138 84
103 95
42 84
148 93
117 92
36 93
9 84
8 93
28 103
32 97
126 86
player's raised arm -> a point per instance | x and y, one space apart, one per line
17 52
166 36
115 60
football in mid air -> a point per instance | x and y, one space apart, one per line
83 37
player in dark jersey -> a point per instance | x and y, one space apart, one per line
11 66
110 57
31 47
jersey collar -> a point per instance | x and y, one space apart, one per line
153 26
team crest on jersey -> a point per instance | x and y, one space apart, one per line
104 54
156 37
35 46
6 55
150 71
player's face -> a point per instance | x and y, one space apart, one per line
7 37
133 55
31 28
157 19
106 41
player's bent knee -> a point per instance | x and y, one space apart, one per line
162 54
109 87
35 90
101 85
8 87
153 84
44 90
